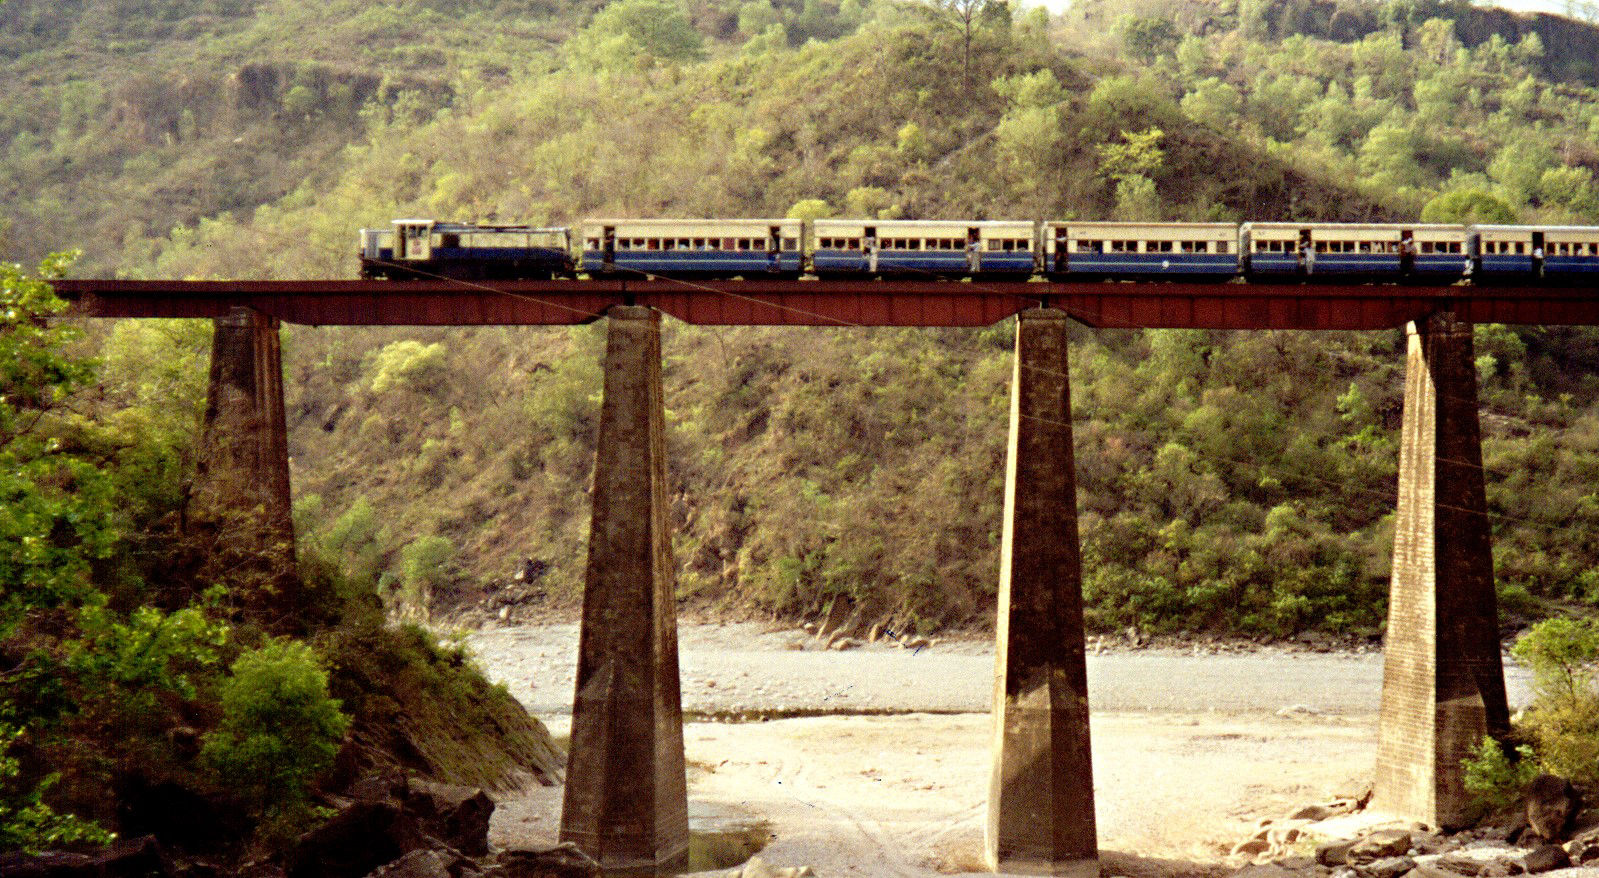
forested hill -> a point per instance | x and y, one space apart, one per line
1237 482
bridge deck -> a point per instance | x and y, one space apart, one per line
863 302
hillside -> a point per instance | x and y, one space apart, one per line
1233 482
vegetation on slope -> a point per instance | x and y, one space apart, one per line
135 698
1234 482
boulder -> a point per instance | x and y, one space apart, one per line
1551 801
125 858
1387 867
759 868
1334 853
1312 813
458 815
181 818
844 643
356 841
1545 859
416 864
562 861
1285 832
1265 870
1251 847
1582 852
1379 845
1447 868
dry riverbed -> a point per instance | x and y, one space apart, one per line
880 766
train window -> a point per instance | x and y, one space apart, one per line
790 243
1224 247
594 243
997 244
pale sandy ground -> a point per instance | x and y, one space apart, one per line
1177 782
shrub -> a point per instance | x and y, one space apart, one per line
409 364
1563 721
27 824
279 730
1496 781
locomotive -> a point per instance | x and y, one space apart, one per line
988 249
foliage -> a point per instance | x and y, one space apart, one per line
1561 653
407 364
1495 780
279 729
27 824
58 507
1467 206
1563 721
1238 482
630 34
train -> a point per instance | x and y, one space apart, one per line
1069 250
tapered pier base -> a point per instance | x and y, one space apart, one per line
626 799
1041 790
239 513
1443 681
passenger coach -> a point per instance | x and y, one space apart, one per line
923 247
1172 251
1355 251
694 247
1559 254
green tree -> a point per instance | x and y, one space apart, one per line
1139 154
966 16
628 34
1214 103
1467 206
58 509
1146 38
279 730
809 209
1519 166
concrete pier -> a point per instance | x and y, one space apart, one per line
239 509
1443 682
626 799
1041 790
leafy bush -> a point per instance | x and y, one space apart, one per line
1495 780
408 364
1563 721
26 822
279 730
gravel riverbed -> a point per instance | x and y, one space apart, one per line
882 766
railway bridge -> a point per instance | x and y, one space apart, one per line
625 800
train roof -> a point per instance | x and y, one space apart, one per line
687 220
1119 224
1356 227
469 228
1495 227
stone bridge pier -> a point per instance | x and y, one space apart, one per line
1041 786
239 515
1443 681
626 800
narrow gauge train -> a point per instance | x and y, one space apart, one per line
989 249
